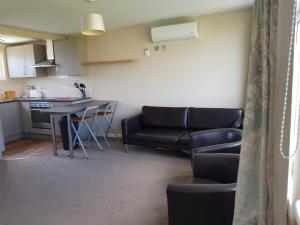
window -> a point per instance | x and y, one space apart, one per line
294 163
2 62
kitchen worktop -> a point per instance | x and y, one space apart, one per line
59 99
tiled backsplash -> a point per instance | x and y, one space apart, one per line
58 86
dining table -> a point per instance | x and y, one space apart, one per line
68 110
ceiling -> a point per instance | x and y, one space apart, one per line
63 16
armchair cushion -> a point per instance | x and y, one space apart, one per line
200 180
157 135
167 117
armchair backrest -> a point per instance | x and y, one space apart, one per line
220 167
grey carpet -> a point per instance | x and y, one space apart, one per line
110 188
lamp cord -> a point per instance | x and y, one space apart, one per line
290 55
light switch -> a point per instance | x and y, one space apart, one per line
147 52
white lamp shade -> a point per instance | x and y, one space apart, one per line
92 24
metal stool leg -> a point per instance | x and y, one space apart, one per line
110 127
79 139
126 148
94 137
101 132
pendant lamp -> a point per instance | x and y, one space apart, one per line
92 24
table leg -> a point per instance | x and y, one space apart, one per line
53 135
71 154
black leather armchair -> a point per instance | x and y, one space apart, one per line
208 197
225 140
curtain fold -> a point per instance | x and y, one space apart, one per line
255 188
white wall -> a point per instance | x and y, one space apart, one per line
208 72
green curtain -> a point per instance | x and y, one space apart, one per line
255 185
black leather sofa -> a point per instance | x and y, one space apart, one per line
208 197
171 127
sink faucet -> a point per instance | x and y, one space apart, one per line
81 87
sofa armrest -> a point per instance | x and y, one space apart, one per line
234 147
219 167
131 125
238 123
201 204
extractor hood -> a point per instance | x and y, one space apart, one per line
50 62
46 63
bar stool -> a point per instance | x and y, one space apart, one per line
89 114
107 114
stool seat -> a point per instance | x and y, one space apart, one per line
104 113
86 118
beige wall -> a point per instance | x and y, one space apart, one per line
12 84
208 72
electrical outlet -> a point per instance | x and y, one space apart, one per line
164 48
156 48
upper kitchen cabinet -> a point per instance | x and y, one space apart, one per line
21 58
68 56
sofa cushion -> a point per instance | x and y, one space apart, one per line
167 117
214 118
185 138
157 135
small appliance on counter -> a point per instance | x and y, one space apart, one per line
9 95
32 92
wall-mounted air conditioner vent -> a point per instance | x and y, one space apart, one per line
174 32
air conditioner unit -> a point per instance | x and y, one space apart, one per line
174 32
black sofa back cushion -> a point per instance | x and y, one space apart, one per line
167 117
214 118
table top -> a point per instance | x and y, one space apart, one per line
76 107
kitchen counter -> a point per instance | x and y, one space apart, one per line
68 100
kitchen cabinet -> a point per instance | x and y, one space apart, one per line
11 121
68 57
21 58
